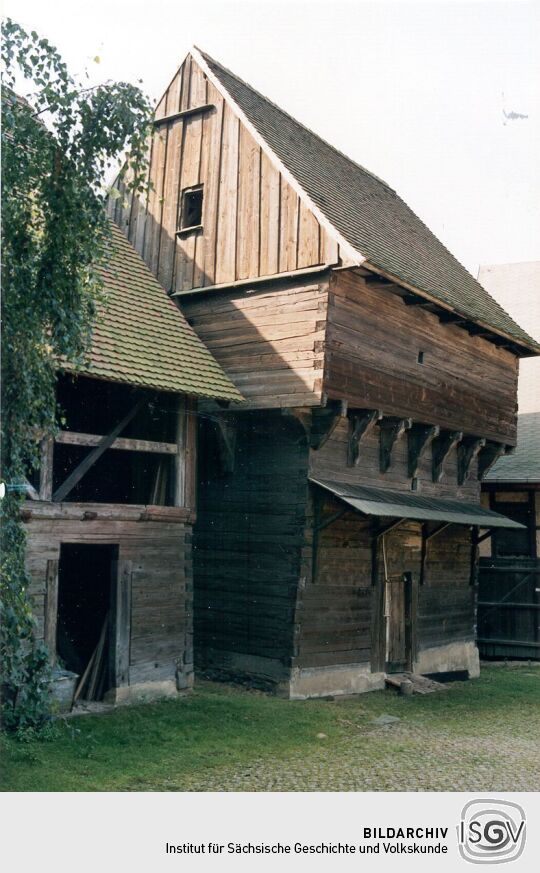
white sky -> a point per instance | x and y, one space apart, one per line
412 91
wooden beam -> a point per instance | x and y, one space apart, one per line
437 530
485 536
487 456
72 438
384 530
467 451
442 446
446 317
106 441
51 608
186 113
46 469
390 431
332 518
414 300
30 490
419 437
324 422
361 424
120 623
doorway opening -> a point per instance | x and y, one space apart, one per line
85 620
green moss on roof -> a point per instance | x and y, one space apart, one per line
141 338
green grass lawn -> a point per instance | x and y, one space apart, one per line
221 737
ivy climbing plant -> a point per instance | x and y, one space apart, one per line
58 141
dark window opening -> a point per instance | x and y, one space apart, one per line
420 357
192 204
122 475
513 543
414 484
85 624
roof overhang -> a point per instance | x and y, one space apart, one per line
409 505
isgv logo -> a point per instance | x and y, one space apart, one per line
491 831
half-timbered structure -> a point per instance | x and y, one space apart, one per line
109 519
339 510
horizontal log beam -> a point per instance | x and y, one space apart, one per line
72 438
186 113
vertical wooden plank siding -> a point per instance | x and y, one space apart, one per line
308 238
227 206
253 221
211 162
155 196
248 207
269 214
170 185
288 228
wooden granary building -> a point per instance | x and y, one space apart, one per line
339 512
109 518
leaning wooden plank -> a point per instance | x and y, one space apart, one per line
93 456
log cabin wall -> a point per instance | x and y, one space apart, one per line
446 623
270 342
334 608
248 547
155 561
373 343
253 222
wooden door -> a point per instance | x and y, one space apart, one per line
399 622
396 655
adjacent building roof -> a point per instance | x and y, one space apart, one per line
367 213
404 504
141 338
524 464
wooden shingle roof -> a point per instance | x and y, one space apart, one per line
141 338
524 464
365 212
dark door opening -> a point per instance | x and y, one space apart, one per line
85 626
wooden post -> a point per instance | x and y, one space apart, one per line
51 608
120 623
46 469
180 457
378 624
190 495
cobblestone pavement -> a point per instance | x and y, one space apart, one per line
486 755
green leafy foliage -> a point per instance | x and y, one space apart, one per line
57 144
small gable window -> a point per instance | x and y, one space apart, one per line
191 209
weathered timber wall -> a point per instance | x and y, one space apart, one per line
334 609
270 343
372 345
159 557
253 224
446 600
248 542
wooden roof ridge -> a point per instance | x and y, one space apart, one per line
397 244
